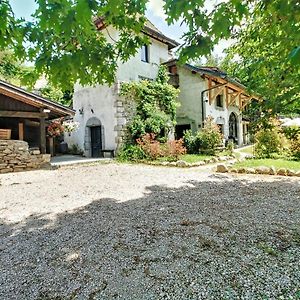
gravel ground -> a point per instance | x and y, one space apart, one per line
139 232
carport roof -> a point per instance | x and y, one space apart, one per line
57 110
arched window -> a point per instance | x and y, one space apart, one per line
233 132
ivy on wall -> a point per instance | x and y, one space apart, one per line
156 103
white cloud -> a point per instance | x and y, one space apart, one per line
156 7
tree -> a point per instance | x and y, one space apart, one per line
64 42
263 61
12 71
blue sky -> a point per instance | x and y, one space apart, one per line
24 8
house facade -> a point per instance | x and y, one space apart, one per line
103 115
100 111
207 91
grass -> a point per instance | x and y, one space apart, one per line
247 150
193 158
276 163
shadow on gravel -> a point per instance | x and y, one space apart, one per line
228 239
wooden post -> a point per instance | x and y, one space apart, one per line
51 146
21 131
43 135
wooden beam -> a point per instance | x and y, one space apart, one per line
233 98
43 135
217 92
22 114
246 101
21 131
227 96
209 92
240 101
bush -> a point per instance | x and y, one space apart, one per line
210 137
131 153
75 150
291 132
269 142
190 142
230 147
150 146
153 149
173 149
205 141
295 146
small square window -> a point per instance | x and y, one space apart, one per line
145 53
219 101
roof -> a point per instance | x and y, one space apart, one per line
210 71
17 93
149 30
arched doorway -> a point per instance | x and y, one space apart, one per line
94 137
233 127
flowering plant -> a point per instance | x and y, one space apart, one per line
70 126
55 128
58 127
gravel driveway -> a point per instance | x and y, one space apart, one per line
138 232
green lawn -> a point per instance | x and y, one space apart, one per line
193 158
276 163
247 150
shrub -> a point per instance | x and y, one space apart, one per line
269 142
150 146
173 149
190 143
291 132
210 137
131 153
295 147
205 141
230 147
153 149
75 150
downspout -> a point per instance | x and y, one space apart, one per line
202 99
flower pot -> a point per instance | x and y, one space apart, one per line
5 134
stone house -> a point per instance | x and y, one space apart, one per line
103 114
208 91
100 111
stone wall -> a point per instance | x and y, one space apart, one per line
16 156
125 112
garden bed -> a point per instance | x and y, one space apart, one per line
283 167
191 160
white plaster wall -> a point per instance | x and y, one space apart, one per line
134 67
223 113
94 102
190 86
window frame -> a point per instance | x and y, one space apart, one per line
145 53
220 98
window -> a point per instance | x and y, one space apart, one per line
219 101
145 53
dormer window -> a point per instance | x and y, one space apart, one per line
219 101
145 53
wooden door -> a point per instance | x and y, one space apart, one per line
96 143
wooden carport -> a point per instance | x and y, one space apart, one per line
26 114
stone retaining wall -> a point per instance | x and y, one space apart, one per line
16 156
